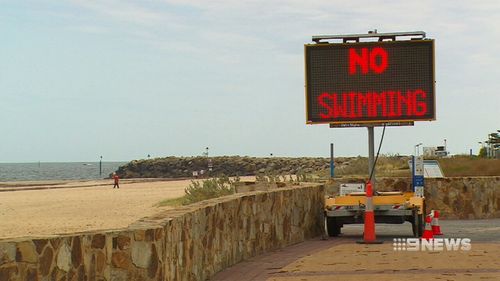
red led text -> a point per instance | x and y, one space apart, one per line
387 104
374 59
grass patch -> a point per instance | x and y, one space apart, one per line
460 166
387 166
172 202
397 166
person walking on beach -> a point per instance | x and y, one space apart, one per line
117 180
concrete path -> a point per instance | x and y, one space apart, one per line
342 259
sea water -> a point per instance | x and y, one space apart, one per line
56 171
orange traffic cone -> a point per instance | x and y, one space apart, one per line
428 230
369 233
436 229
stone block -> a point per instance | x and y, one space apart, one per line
63 260
45 264
158 234
76 252
98 241
150 235
7 253
120 259
40 244
26 252
121 242
31 274
141 254
139 235
55 242
8 273
119 274
154 263
100 261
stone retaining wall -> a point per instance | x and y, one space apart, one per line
455 197
191 243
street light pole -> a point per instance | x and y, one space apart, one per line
482 146
416 149
209 162
100 167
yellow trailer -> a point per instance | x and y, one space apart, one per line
390 207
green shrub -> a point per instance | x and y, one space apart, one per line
271 179
207 189
203 190
482 152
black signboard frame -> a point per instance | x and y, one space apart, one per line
411 67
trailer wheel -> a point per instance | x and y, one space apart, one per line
417 224
333 227
421 225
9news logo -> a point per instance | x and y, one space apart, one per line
435 244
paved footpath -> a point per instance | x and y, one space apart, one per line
342 259
264 266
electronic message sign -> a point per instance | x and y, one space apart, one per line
388 81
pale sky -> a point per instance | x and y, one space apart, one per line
124 79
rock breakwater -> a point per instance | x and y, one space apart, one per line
179 167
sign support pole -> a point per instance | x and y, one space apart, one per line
371 153
413 165
332 163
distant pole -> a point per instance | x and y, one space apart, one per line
209 164
332 163
100 167
470 153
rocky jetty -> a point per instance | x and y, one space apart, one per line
180 167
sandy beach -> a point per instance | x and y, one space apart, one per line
34 209
66 207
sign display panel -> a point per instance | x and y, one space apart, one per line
379 124
347 188
390 81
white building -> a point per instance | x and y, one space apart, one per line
437 151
